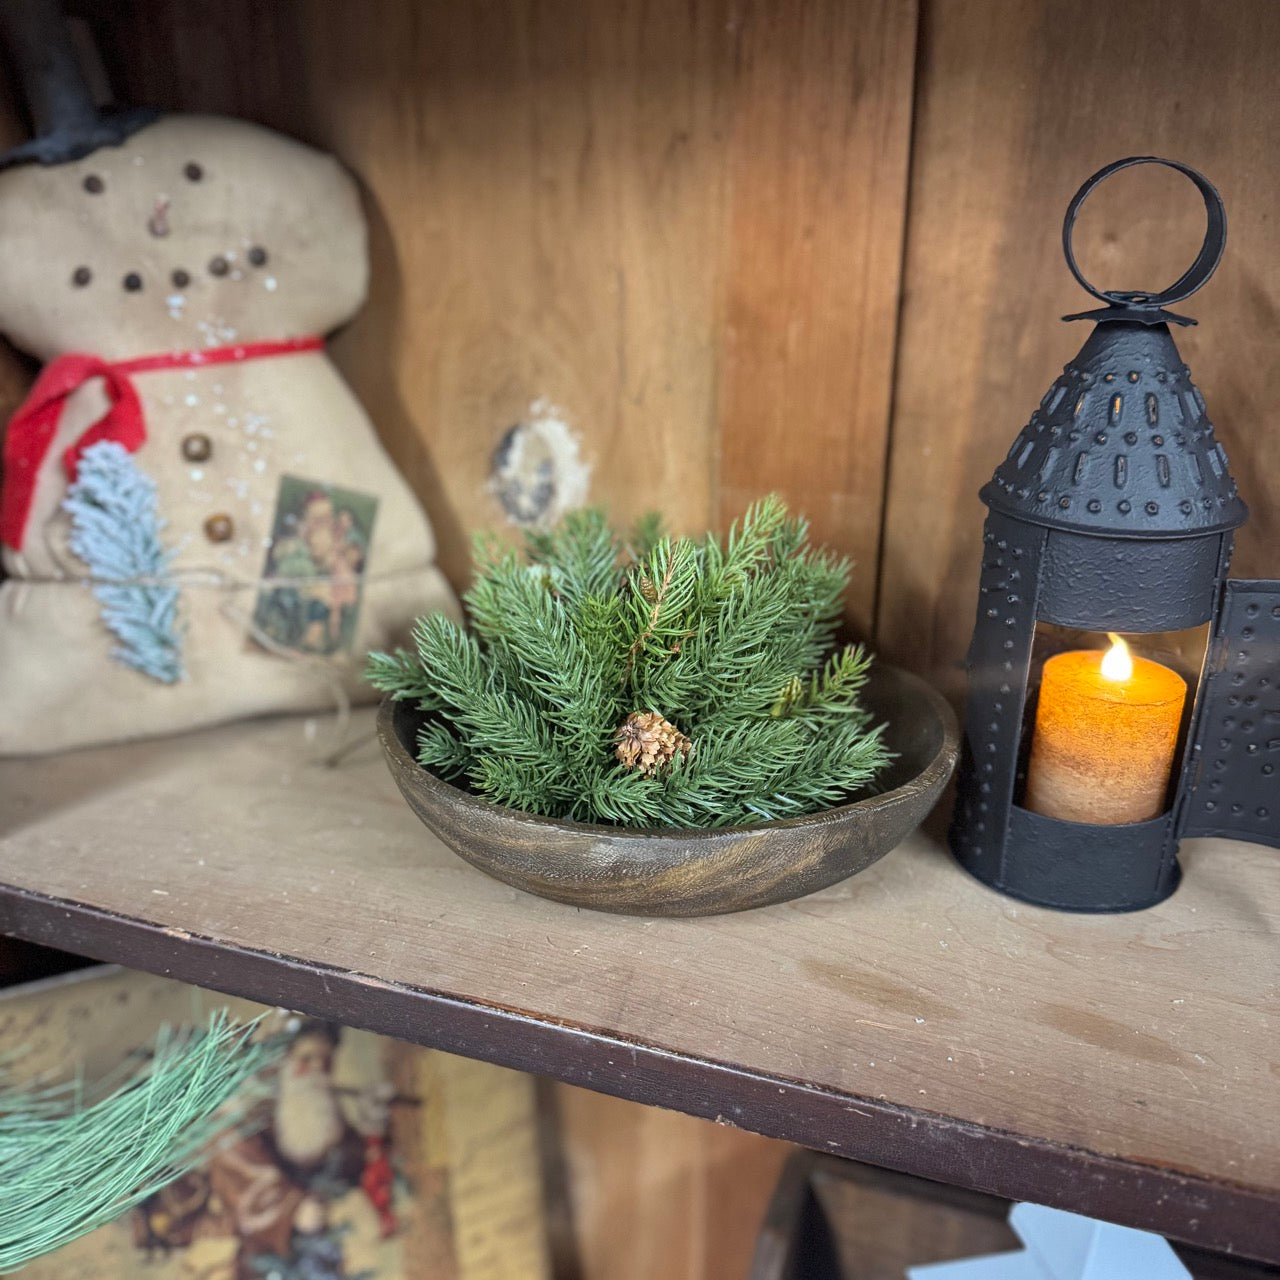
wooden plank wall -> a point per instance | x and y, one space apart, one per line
811 269
598 211
1017 103
749 244
655 1195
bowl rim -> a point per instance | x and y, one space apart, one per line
937 772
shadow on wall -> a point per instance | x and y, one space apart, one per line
365 351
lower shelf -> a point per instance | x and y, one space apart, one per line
832 1219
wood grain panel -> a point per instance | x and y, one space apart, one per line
544 185
662 1196
818 169
490 1131
678 225
1017 104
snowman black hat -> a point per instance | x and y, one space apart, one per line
66 120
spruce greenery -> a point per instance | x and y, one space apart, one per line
731 643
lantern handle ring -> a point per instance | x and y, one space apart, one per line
1147 307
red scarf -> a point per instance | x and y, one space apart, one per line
32 427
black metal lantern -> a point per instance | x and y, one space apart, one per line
1114 511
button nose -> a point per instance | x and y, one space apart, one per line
158 223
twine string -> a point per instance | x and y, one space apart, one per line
321 666
338 745
206 576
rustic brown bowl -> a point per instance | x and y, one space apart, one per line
668 872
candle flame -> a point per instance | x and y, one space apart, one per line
1117 662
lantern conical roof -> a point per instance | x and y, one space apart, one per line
1121 445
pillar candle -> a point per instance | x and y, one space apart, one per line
1105 736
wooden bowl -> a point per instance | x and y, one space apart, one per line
668 872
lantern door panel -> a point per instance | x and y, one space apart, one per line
1234 779
999 658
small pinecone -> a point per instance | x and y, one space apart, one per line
647 741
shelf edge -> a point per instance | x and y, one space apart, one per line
1209 1213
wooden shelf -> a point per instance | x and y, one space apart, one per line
1118 1066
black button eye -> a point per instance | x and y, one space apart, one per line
81 277
94 185
192 171
180 279
257 255
133 282
218 266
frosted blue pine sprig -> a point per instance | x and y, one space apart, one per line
115 530
75 1158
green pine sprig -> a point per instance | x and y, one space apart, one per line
732 642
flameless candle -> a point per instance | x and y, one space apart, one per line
1105 735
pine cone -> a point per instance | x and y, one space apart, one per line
647 741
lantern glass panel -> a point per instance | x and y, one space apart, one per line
1090 727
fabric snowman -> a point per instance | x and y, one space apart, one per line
198 521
